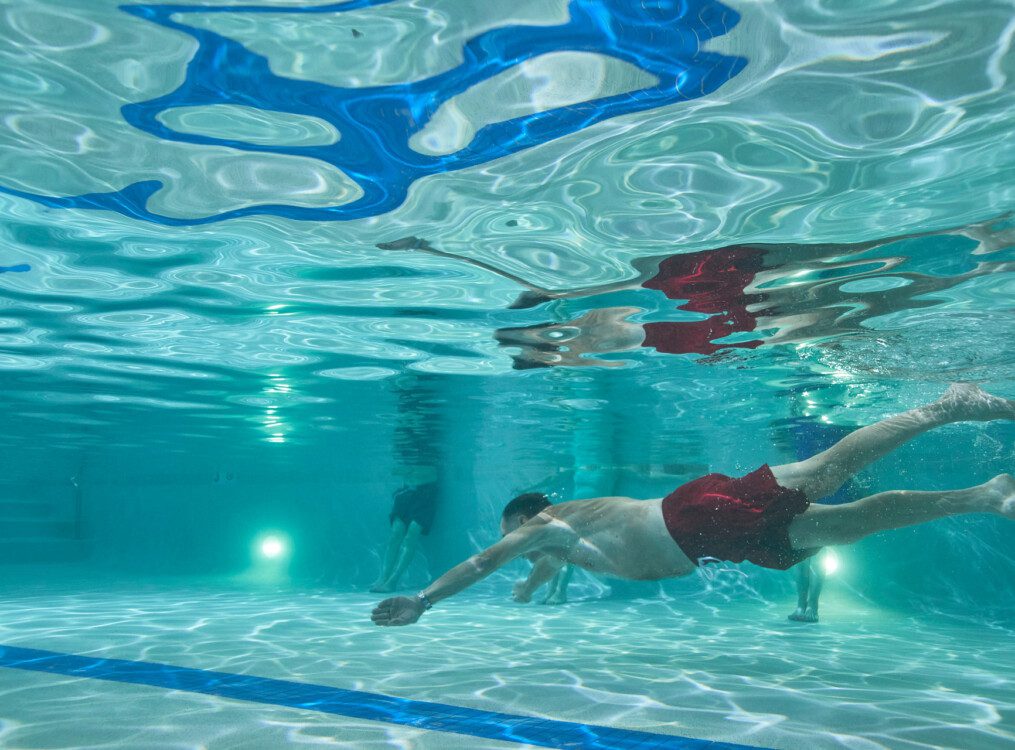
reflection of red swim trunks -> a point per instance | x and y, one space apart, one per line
694 337
713 283
736 519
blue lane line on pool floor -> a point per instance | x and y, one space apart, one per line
354 704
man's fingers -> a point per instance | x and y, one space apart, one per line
394 612
385 613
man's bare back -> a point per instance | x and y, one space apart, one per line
617 536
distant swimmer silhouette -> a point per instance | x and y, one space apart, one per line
769 517
412 514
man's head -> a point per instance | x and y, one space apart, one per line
521 509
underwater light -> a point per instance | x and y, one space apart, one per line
272 547
829 562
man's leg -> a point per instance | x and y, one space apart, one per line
822 474
822 525
395 538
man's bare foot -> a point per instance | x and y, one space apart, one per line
1000 492
969 402
804 615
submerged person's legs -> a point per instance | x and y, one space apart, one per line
822 525
409 546
809 581
391 555
822 474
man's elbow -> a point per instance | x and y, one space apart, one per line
483 564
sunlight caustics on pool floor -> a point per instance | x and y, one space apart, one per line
731 672
353 703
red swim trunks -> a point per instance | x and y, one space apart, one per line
746 518
713 282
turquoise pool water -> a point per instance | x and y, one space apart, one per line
265 263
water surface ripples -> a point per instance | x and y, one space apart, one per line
828 133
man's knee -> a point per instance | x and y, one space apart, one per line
818 478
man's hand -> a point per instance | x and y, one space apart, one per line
399 610
520 592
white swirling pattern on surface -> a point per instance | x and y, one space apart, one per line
847 125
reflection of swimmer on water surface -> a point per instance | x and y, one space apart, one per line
713 283
793 289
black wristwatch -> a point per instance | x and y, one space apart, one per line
425 601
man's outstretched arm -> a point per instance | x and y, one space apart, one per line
535 295
405 610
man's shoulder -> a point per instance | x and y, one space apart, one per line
582 507
601 499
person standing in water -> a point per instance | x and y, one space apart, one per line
411 516
812 437
810 579
417 438
769 517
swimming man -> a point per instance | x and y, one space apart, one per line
767 517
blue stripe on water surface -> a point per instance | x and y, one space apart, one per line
663 37
352 703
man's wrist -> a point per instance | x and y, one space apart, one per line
424 600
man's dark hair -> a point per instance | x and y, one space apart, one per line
528 504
